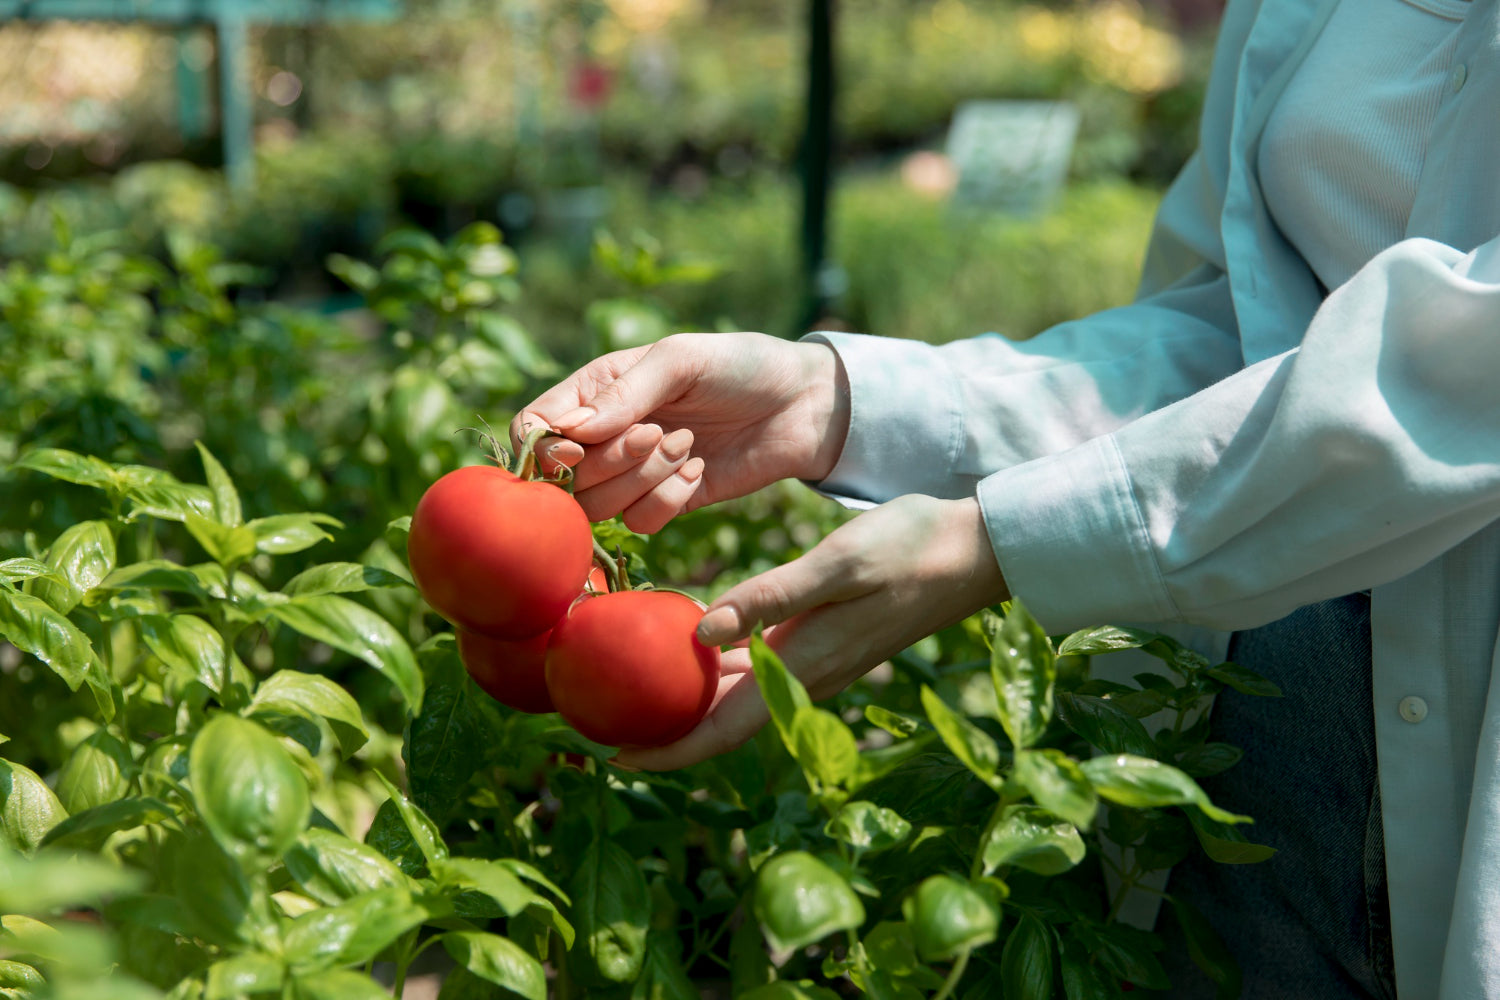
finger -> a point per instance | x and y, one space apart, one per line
606 460
738 715
651 512
553 455
614 495
819 577
659 376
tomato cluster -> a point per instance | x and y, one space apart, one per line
510 562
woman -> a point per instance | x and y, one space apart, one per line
1293 435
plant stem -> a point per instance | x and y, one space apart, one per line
954 975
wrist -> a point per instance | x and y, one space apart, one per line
828 407
986 581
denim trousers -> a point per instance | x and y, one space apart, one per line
1313 921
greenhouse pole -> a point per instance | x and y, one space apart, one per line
820 277
234 99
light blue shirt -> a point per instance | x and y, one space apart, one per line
1233 445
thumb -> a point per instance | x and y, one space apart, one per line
775 596
660 376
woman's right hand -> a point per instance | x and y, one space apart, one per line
693 419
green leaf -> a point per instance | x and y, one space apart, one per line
155 493
32 626
1144 784
496 960
211 890
1225 843
400 524
970 744
1024 669
1026 961
358 631
20 981
1105 639
331 868
417 408
442 741
338 984
97 771
1104 725
290 692
282 534
78 560
1034 839
897 724
611 905
1081 979
1244 680
799 900
1126 952
71 467
233 978
154 574
423 831
1058 785
225 545
1207 950
868 827
516 344
492 879
90 828
353 932
251 794
28 807
50 880
1208 759
342 578
823 745
21 568
226 498
783 693
948 916
191 648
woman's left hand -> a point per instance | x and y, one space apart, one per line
893 575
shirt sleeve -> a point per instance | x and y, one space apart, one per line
1359 456
937 419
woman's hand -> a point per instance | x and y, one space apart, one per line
693 419
893 575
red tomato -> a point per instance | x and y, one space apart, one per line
498 555
513 671
626 669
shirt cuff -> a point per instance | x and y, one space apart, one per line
906 427
1071 541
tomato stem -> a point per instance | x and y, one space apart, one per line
613 566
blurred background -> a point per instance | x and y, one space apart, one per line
283 131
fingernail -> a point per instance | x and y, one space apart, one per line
575 418
719 626
641 440
676 444
692 471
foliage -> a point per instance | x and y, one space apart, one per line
241 758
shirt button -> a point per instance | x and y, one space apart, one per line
1412 709
1457 77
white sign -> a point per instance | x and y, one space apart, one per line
1011 156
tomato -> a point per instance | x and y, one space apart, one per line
626 669
499 555
513 671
